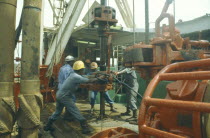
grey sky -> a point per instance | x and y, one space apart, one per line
185 10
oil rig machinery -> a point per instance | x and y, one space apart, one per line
185 110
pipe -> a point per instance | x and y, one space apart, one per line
199 75
7 42
159 133
146 22
103 59
104 2
179 105
30 98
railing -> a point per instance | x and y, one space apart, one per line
165 74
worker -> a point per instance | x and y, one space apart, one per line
65 70
64 97
87 66
93 68
131 96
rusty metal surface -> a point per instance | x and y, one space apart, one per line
167 47
169 109
118 132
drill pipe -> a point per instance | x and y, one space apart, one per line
7 42
30 98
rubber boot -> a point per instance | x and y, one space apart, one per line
127 113
134 117
92 109
112 108
48 126
85 128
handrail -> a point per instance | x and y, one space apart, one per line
147 100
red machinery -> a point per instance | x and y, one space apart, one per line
166 48
179 114
183 112
46 84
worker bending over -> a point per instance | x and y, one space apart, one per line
64 97
93 69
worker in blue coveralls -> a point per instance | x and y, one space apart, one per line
65 71
93 68
64 98
131 96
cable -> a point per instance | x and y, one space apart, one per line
128 86
106 80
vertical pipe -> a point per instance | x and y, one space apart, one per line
134 26
104 2
30 98
7 43
146 21
103 59
174 12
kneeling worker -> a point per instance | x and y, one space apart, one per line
64 98
93 67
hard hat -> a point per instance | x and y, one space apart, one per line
93 65
69 58
87 61
78 65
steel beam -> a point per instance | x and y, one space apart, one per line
125 11
7 43
64 33
30 98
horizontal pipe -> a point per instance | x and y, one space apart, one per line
199 75
159 133
181 105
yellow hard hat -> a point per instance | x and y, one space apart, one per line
93 65
78 65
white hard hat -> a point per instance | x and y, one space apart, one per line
69 58
93 65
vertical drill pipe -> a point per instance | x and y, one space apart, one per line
109 52
30 99
146 22
7 42
103 57
104 2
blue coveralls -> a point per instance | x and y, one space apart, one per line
64 72
94 94
64 97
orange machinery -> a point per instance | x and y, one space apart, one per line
47 85
184 111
